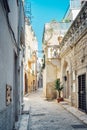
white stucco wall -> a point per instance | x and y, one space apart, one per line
30 38
75 13
7 73
13 16
8 65
6 59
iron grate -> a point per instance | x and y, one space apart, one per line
79 126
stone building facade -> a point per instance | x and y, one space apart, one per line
39 72
31 49
70 65
53 33
11 45
74 61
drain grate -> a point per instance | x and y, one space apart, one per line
79 126
41 114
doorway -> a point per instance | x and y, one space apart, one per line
26 84
82 92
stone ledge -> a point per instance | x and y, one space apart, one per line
24 123
78 114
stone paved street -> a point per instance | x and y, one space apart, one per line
49 115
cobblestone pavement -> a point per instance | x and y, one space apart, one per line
49 115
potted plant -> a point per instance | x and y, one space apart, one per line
59 88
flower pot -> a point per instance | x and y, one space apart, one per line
59 99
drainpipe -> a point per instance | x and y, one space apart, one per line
18 60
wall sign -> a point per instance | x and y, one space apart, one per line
8 94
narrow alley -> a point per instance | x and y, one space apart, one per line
50 115
43 43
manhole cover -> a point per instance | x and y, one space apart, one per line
41 114
79 126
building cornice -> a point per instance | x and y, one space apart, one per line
76 31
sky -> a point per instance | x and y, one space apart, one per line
44 11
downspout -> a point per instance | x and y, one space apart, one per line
18 59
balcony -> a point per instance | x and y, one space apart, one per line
53 55
53 52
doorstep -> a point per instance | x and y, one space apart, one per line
77 113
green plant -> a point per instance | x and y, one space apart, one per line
58 86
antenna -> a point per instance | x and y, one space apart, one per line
28 10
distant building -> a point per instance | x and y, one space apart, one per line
39 73
11 62
53 34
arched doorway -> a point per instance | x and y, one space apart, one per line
66 79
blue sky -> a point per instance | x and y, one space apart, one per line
44 11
